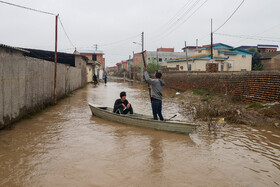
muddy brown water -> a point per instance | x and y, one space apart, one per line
65 145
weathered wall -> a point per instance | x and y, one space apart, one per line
26 84
251 86
271 64
81 63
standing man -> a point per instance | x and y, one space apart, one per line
156 95
95 79
105 79
122 106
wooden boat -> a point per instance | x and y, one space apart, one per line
141 120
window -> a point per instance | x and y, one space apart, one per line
177 66
94 57
189 67
243 56
199 51
181 67
222 67
160 59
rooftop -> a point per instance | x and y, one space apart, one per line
14 48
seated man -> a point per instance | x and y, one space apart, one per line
122 106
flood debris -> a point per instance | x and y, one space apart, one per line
216 108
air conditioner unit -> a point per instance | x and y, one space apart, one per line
229 65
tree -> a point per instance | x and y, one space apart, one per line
123 70
256 60
152 67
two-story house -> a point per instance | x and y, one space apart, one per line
227 57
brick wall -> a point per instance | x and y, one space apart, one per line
251 86
212 67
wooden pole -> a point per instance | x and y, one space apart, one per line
55 59
143 56
145 65
186 55
211 41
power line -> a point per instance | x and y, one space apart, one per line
65 32
174 17
120 41
230 16
19 6
162 33
182 22
260 33
251 37
44 12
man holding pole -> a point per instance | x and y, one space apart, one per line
156 95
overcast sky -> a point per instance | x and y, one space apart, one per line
115 24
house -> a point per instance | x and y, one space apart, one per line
119 66
261 48
127 64
160 56
95 56
271 61
111 70
226 57
99 61
93 67
189 50
267 48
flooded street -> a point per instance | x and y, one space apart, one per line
65 145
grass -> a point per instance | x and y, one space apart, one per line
201 91
256 105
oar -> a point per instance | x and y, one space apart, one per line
145 67
172 117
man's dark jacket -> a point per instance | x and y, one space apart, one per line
118 104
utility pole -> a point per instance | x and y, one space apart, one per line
186 55
211 42
55 59
143 55
142 41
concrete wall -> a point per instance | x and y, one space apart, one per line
271 64
162 57
82 64
27 84
90 72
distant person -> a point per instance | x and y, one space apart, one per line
156 95
122 106
105 79
95 81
